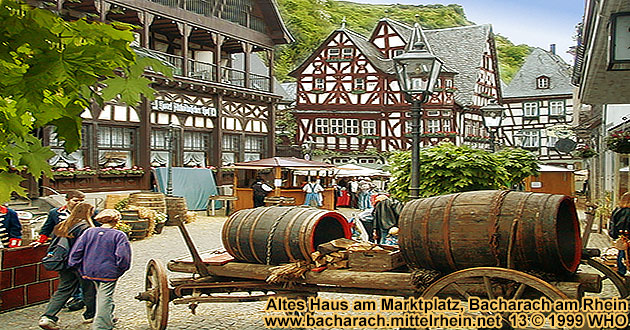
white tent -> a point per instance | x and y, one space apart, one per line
349 170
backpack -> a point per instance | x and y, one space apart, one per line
56 258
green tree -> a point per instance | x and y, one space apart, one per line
519 164
51 70
510 56
445 169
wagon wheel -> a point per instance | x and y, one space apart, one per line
497 282
157 307
617 280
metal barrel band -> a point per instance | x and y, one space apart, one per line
497 203
513 229
272 232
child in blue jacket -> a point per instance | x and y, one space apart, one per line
102 255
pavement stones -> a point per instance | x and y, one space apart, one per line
206 233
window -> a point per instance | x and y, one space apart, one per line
529 138
352 126
367 160
359 83
333 52
195 148
433 125
319 84
433 113
397 52
551 141
115 146
230 149
542 82
368 127
254 147
449 83
530 109
336 126
159 147
63 159
321 125
347 52
556 108
446 125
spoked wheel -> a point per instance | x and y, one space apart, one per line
492 283
156 283
610 276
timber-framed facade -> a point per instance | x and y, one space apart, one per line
221 98
349 104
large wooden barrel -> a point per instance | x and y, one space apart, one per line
281 234
139 227
176 207
151 200
477 228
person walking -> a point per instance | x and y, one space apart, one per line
353 190
102 254
58 214
73 228
619 229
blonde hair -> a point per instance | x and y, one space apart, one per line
108 216
624 201
83 211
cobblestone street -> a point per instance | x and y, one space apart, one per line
206 233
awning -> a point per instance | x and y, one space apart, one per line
284 162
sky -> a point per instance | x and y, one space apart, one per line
536 23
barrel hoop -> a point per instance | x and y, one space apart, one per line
304 228
424 247
513 229
272 232
238 248
251 234
446 235
287 234
497 204
538 230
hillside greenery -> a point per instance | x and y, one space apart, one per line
310 22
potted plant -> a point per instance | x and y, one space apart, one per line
84 172
124 227
619 141
160 221
63 173
584 152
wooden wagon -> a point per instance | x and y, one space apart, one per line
213 280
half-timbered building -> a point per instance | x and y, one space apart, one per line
349 104
218 107
539 105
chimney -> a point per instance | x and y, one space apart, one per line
552 48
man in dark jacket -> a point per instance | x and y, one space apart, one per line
261 189
58 214
386 213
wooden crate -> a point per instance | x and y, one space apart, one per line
375 260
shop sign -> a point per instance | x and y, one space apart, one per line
169 106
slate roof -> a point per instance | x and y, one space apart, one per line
541 63
290 89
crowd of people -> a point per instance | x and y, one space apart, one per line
98 255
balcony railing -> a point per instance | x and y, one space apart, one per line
233 76
202 70
259 82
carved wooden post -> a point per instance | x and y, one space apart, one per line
247 49
184 31
218 41
146 20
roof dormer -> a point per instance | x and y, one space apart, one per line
542 82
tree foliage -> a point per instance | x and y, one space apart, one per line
447 168
519 164
510 56
51 70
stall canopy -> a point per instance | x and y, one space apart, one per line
351 170
281 162
194 184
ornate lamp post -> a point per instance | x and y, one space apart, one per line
417 70
169 173
492 117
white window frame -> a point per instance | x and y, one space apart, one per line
347 52
433 125
368 127
318 84
529 138
551 141
321 125
359 83
530 109
352 126
542 82
333 52
433 113
556 108
446 125
336 126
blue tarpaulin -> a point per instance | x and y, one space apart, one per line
194 184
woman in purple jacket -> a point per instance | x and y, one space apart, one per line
102 255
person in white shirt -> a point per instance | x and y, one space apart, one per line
313 190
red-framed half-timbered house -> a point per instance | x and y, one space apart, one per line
348 102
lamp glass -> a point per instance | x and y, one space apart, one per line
492 115
417 71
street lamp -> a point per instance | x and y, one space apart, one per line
169 173
492 114
417 70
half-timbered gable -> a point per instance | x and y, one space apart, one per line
539 100
354 103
